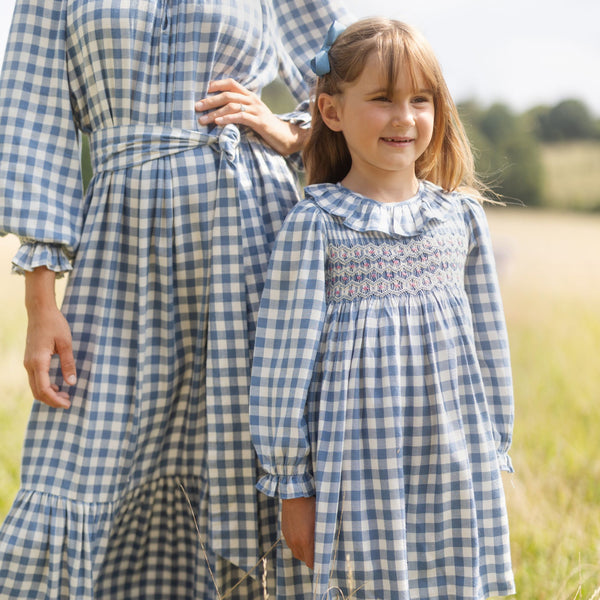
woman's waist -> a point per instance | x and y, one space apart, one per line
128 145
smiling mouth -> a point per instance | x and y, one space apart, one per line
396 140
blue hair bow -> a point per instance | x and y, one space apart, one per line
320 63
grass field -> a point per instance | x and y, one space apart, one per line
549 265
572 175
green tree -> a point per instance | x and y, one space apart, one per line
507 155
567 120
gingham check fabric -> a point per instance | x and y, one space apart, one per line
381 381
168 251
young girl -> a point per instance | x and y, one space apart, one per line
381 400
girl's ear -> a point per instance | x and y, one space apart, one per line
329 107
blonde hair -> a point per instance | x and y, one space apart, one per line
447 161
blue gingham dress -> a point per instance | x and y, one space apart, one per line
167 252
381 382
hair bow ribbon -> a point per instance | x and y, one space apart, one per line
320 63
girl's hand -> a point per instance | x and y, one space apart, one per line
48 333
233 103
298 527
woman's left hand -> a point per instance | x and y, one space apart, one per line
233 103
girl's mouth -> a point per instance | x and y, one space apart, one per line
395 140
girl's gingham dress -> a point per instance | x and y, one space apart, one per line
381 382
168 250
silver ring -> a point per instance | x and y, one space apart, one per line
242 108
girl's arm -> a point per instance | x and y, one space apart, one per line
288 336
47 333
491 338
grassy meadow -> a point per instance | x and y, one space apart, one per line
549 266
572 175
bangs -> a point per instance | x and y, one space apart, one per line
399 53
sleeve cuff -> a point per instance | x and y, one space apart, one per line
33 254
302 118
505 463
294 486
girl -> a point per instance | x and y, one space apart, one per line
381 398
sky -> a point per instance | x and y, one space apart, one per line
519 52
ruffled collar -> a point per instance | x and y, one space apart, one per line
401 219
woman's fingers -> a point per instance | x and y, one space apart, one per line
232 103
223 105
64 348
38 371
48 333
229 98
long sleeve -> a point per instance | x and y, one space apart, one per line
491 338
40 181
303 25
290 323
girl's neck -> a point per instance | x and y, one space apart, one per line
387 189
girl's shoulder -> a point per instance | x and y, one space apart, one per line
460 202
305 215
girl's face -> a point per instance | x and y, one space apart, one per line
385 134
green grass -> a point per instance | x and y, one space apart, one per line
14 396
572 175
554 497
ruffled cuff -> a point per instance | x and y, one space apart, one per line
293 486
504 462
301 117
35 254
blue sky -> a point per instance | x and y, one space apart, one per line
521 52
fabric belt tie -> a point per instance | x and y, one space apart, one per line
126 146
232 506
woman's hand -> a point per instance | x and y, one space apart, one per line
298 527
233 103
48 333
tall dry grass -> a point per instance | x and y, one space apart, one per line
549 265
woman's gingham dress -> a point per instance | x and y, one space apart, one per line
168 251
381 381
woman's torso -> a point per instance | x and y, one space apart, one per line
148 61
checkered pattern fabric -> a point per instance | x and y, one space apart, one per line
381 382
168 251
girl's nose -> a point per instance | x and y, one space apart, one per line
403 116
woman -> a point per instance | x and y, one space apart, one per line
138 472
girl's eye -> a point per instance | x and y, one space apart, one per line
420 99
381 99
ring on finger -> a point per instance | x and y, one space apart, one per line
242 108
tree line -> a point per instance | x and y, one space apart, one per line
508 145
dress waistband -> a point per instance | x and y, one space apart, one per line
125 146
